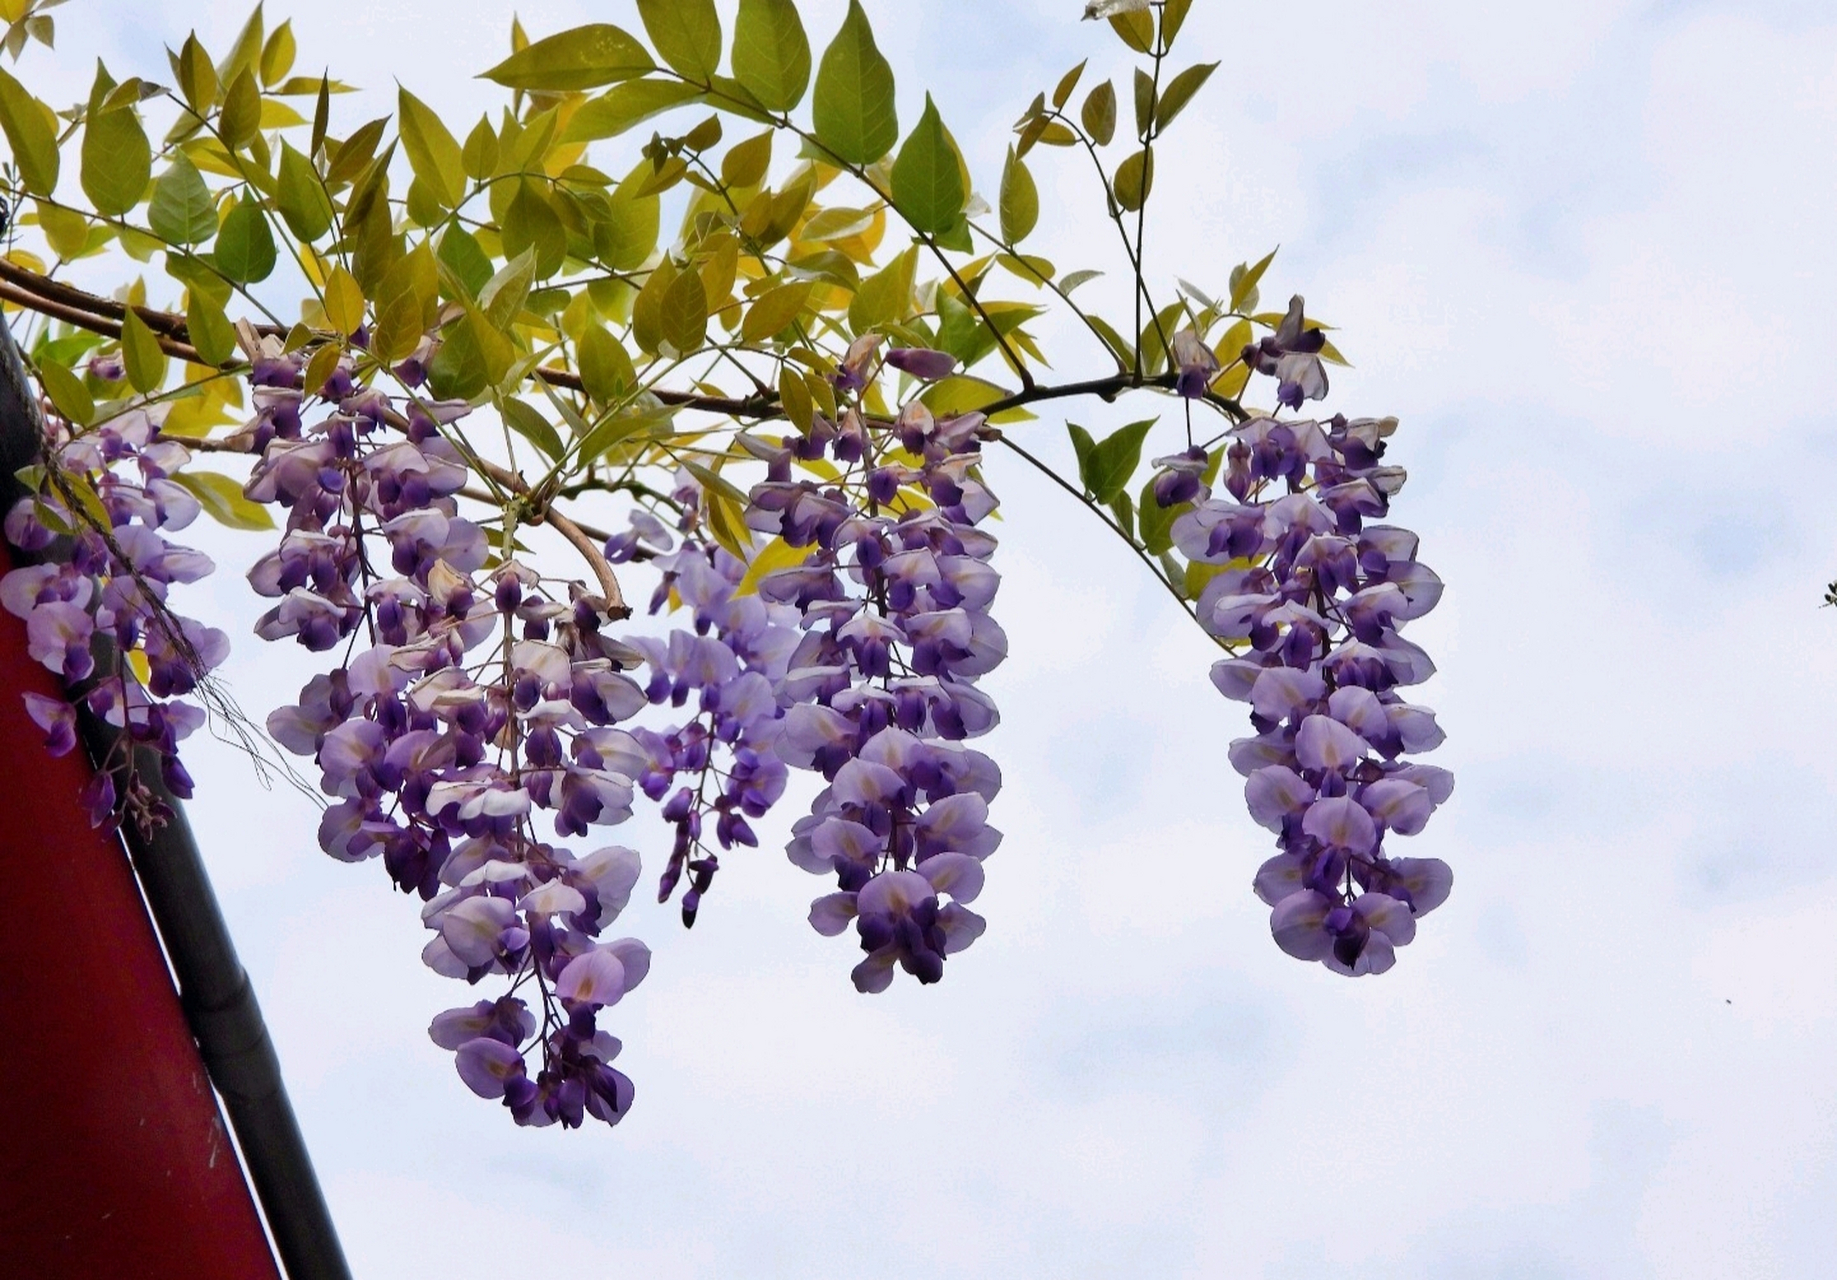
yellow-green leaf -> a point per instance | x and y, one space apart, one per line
117 159
853 108
277 55
197 77
927 183
582 58
1135 178
683 320
245 246
771 53
605 367
141 353
31 132
687 34
625 105
301 197
775 309
182 211
67 392
794 397
1020 200
1099 113
223 500
531 425
344 301
1136 27
530 222
1180 91
66 230
433 152
241 118
209 329
479 156
745 163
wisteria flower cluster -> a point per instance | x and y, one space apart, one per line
894 595
114 578
1317 594
479 700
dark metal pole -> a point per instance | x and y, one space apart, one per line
213 987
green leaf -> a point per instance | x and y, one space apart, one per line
1082 445
927 182
687 34
66 230
433 151
460 254
1135 178
625 105
245 246
182 211
117 159
197 77
479 156
31 133
223 500
1020 200
771 53
1173 16
141 353
684 317
582 58
506 293
241 118
1062 93
1144 102
531 223
532 426
209 329
1180 91
605 366
629 235
853 108
300 196
67 392
746 163
886 296
773 310
1113 460
1099 114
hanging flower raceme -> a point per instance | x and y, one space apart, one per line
894 597
1317 595
482 701
111 492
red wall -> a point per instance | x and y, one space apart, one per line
114 1160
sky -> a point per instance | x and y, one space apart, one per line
1583 251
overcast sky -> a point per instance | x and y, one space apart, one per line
1583 249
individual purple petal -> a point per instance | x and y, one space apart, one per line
875 974
1388 916
1398 805
832 913
1342 823
961 927
596 978
1274 793
1279 691
57 718
927 366
1427 880
958 874
1298 924
487 1065
1325 744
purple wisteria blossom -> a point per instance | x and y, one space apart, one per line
1316 594
111 577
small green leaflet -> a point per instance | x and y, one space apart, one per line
853 107
771 53
223 501
583 58
927 183
1111 462
182 211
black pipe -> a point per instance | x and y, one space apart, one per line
213 987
